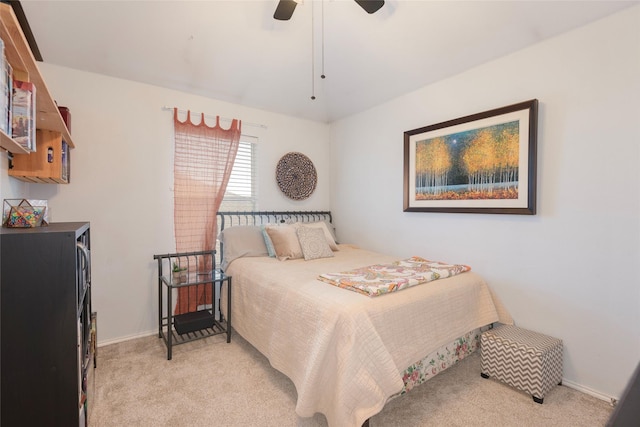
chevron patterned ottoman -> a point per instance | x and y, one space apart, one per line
526 360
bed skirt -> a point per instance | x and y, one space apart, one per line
440 360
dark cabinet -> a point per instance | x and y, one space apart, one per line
47 345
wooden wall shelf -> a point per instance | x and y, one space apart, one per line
49 164
24 65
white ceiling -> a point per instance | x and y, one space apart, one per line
235 51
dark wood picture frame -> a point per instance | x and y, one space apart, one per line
482 163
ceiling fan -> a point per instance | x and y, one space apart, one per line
285 8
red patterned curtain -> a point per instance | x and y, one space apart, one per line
203 161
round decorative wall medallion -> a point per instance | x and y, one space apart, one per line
296 176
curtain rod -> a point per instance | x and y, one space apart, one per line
258 125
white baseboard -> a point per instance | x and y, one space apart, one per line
591 392
102 343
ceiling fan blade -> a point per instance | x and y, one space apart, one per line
284 10
370 6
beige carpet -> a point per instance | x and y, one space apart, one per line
212 383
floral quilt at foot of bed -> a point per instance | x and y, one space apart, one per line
439 360
381 279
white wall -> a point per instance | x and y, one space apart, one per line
570 271
122 178
9 187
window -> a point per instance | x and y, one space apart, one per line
241 189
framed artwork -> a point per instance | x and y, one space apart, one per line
483 163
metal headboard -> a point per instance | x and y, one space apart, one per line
229 219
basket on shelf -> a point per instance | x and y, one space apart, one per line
23 213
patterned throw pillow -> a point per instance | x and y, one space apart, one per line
331 238
313 243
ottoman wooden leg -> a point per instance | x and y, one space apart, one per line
483 375
538 400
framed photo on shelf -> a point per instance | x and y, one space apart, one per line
482 163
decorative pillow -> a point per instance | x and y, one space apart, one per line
285 241
240 241
331 239
313 243
267 241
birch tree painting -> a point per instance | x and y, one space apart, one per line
475 164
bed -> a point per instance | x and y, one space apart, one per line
347 353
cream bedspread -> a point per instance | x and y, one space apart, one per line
344 351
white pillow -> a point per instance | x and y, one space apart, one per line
240 241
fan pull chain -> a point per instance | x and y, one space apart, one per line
322 76
313 64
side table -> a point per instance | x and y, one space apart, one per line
195 271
